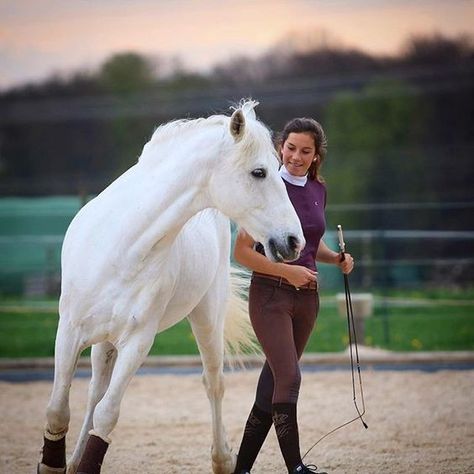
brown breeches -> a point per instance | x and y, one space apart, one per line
282 318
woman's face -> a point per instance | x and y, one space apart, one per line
298 152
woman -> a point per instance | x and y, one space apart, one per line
284 300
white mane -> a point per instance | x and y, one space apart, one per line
248 108
170 130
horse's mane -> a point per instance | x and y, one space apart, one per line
170 130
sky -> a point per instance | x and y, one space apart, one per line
39 38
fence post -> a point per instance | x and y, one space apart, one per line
362 307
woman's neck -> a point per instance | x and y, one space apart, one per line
296 180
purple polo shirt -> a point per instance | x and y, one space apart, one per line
309 202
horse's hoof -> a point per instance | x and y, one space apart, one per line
43 469
224 465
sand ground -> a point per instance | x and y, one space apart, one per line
419 422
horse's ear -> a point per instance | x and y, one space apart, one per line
237 125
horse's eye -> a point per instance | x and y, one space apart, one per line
259 173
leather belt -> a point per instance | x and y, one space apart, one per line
312 285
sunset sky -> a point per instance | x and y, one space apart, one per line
42 37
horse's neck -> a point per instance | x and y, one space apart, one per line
167 204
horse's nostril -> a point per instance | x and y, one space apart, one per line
293 242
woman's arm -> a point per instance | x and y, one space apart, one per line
326 255
246 255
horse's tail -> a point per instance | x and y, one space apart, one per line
239 336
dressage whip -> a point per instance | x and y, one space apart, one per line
353 350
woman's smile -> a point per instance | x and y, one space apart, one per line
298 153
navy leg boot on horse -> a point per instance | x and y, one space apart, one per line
257 427
54 456
93 456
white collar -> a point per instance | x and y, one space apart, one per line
296 180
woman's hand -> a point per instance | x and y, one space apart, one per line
326 255
298 275
346 265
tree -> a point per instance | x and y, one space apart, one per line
373 142
126 73
437 49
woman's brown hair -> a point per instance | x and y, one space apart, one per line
314 128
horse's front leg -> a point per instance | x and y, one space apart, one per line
103 357
223 461
210 338
67 350
130 355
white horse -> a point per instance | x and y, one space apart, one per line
152 248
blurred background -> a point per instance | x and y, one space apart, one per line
83 85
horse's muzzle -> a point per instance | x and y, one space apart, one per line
285 250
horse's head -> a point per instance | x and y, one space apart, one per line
245 185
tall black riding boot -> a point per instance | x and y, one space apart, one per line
256 430
286 427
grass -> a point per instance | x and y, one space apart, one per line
437 328
32 335
428 327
